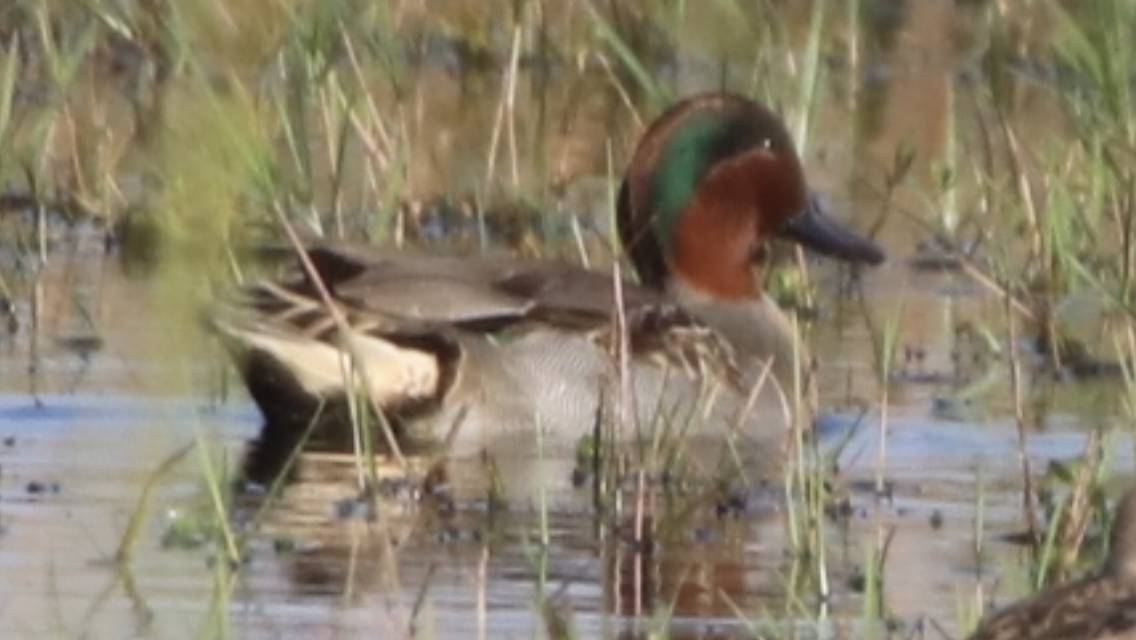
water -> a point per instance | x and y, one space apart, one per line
76 454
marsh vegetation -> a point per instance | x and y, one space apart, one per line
975 393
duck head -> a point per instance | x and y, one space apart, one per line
711 180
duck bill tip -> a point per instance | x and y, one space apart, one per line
814 228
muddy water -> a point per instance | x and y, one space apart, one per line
85 426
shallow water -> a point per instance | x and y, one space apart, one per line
76 455
85 425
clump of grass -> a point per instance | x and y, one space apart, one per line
1071 516
1068 198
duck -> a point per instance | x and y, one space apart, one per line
496 352
1100 605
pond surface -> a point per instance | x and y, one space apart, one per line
82 435
109 377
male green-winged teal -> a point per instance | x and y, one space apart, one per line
1102 605
491 348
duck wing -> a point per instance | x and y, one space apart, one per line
480 292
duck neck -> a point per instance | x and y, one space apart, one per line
755 327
